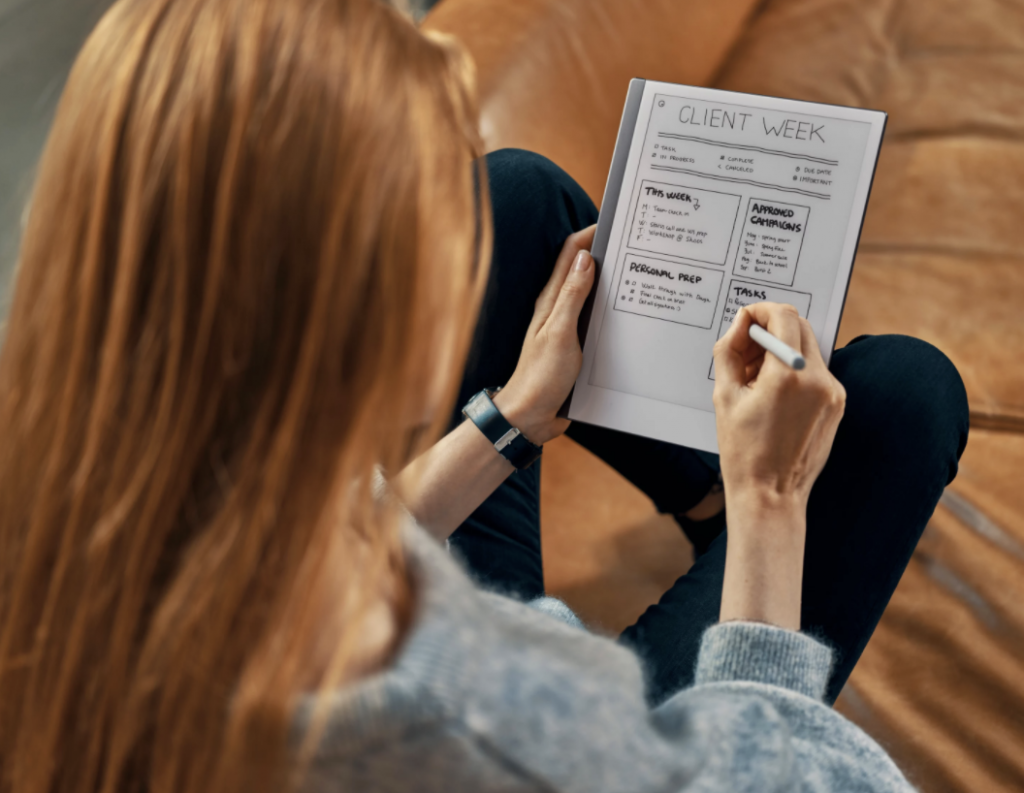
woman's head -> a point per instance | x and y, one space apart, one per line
252 255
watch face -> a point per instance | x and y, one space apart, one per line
476 408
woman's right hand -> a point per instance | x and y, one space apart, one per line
775 425
775 431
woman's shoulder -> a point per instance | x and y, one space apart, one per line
483 681
487 693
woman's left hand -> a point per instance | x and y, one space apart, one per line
551 356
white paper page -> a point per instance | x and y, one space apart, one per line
727 199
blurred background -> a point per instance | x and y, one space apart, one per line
941 684
38 43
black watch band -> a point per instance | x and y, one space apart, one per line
508 441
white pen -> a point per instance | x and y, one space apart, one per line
777 347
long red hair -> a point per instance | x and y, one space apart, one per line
255 246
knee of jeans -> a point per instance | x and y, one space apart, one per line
534 190
900 387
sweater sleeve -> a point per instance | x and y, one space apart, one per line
758 653
756 707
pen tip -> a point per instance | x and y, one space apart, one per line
799 363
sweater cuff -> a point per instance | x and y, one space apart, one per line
557 609
758 653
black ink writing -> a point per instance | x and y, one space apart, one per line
742 291
772 223
658 193
791 128
768 209
636 267
714 117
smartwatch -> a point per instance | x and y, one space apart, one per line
508 441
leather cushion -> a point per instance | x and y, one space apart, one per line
945 213
553 74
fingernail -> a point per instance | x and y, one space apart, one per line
583 260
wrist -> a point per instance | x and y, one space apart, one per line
519 414
764 561
765 504
761 523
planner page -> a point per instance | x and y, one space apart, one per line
726 199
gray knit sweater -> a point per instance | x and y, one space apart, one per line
489 694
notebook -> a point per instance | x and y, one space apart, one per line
714 200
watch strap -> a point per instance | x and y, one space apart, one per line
507 440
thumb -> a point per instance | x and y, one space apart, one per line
573 293
730 364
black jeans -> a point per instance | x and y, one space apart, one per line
897 447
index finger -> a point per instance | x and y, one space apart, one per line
781 320
574 243
734 351
811 351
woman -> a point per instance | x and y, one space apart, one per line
249 282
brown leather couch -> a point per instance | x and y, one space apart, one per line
941 684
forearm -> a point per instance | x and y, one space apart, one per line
443 486
764 561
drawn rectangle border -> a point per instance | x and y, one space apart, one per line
802 238
732 281
732 233
714 311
